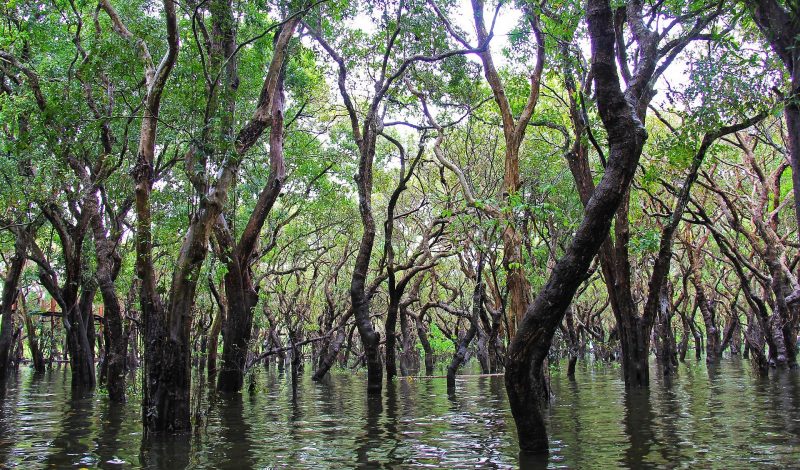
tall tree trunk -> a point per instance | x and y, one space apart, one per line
422 333
635 343
474 325
572 343
7 307
109 263
86 304
781 28
391 335
164 397
513 134
216 328
525 380
33 342
396 287
707 309
666 354
242 299
242 294
81 359
166 405
359 297
117 343
684 346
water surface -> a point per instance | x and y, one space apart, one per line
720 418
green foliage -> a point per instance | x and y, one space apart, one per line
306 251
440 344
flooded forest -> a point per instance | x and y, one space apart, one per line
399 233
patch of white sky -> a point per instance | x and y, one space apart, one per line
507 20
461 17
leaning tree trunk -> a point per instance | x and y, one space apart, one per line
713 339
730 338
328 358
525 379
460 355
216 328
684 345
781 28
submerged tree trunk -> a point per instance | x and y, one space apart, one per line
242 299
666 354
698 339
216 328
328 357
109 262
240 290
8 303
635 343
359 297
117 345
707 308
396 287
684 345
732 337
167 381
474 320
713 339
81 359
37 358
460 355
391 336
572 343
781 27
409 357
422 334
525 380
754 344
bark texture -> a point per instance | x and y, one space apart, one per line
525 380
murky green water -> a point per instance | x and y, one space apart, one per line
702 419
